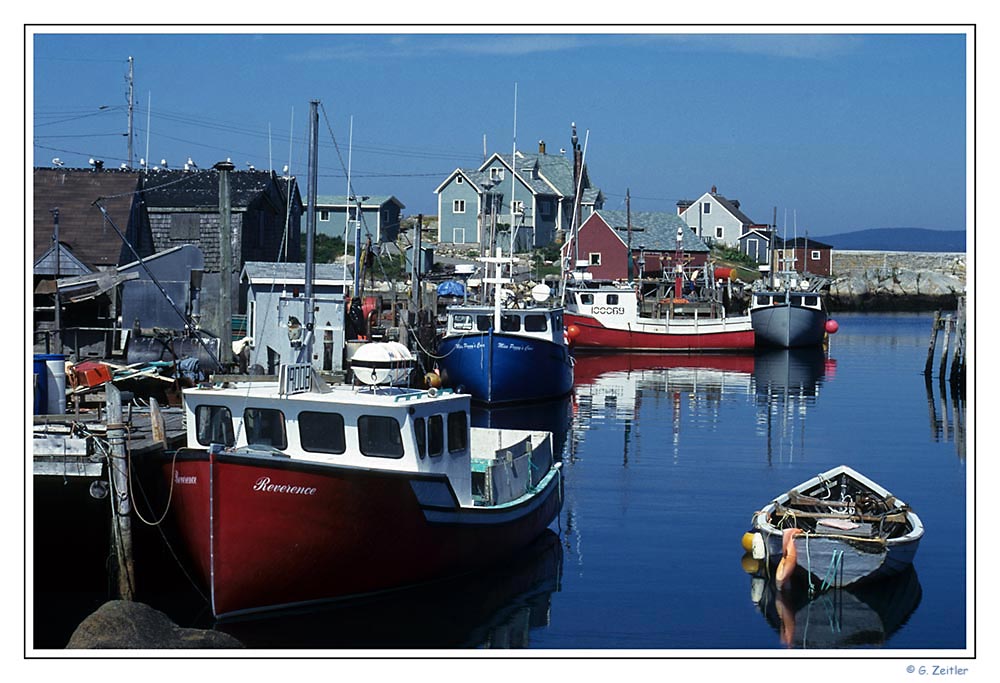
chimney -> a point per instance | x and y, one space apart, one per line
541 146
714 191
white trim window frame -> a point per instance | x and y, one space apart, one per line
458 206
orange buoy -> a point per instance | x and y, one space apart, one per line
573 331
789 557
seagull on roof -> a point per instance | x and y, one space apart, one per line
56 161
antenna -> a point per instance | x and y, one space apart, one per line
131 62
149 108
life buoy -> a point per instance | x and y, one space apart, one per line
789 557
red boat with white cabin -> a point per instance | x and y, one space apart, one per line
612 316
300 492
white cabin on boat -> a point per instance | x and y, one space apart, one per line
380 428
538 323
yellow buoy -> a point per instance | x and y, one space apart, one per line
747 541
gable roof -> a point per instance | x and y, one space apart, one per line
82 227
730 205
169 189
801 243
653 230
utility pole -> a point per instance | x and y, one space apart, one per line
416 290
226 260
58 299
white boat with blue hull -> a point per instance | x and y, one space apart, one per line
840 528
789 314
506 351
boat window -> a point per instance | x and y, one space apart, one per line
510 322
587 299
214 424
378 436
265 427
796 300
435 435
458 432
557 322
462 322
810 301
763 299
322 432
420 432
535 322
612 299
483 322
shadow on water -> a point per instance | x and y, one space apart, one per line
865 616
492 609
554 416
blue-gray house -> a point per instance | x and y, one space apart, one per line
535 192
379 216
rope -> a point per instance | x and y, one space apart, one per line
836 564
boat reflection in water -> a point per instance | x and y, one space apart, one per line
610 390
786 382
866 615
497 608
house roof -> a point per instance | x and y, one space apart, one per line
82 227
730 205
199 189
342 200
653 230
801 243
292 273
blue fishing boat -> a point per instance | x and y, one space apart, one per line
508 351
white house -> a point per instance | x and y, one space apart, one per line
716 219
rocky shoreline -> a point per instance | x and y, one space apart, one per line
897 281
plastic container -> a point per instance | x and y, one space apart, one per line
50 383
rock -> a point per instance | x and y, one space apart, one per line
121 624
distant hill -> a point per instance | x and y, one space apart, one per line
898 239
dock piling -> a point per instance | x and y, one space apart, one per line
949 324
121 523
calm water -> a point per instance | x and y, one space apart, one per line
665 460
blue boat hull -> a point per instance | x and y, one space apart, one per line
787 326
503 368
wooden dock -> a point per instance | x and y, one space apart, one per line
952 329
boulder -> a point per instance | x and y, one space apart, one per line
121 624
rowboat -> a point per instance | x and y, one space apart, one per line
839 528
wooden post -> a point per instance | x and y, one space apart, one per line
929 365
121 522
947 324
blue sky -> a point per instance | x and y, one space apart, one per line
835 131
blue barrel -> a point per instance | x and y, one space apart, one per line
41 384
50 383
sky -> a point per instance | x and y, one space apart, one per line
818 130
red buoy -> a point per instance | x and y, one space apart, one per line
832 326
573 331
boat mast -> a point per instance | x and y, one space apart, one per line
305 351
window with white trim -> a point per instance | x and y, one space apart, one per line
496 173
719 232
458 206
814 255
518 206
324 215
594 258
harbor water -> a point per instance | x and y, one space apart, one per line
665 459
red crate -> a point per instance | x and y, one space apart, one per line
91 373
